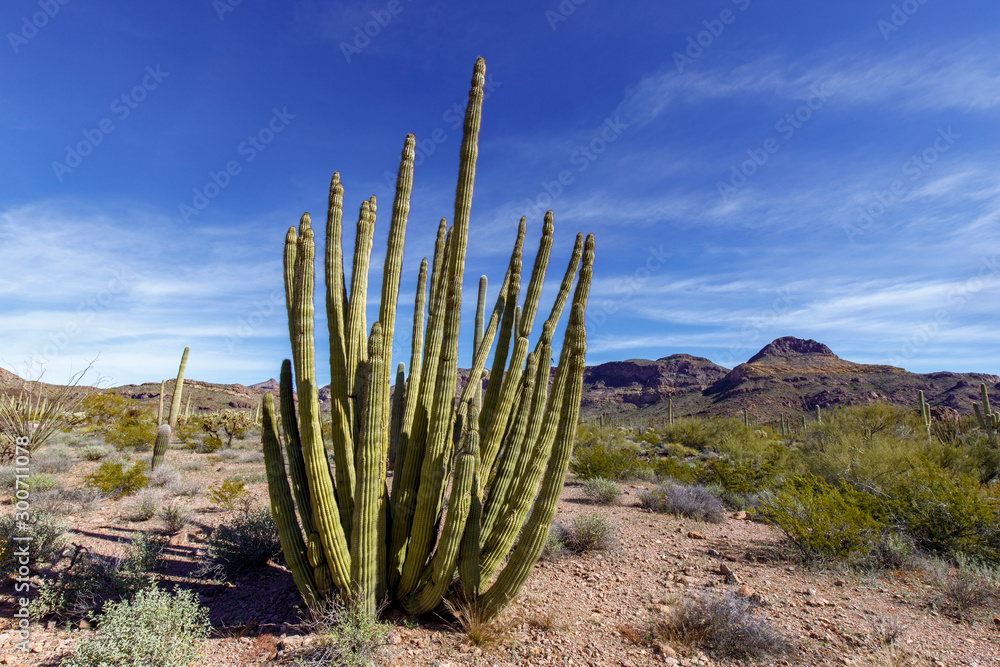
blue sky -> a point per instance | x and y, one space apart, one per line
750 169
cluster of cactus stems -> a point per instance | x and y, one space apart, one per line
476 477
160 447
988 420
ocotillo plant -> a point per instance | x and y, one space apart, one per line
474 491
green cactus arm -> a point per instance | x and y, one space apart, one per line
498 424
283 509
430 492
408 481
293 449
534 293
413 381
467 170
468 557
511 452
396 414
513 282
159 409
342 441
160 447
364 532
357 330
393 271
567 283
442 566
513 576
175 401
326 512
480 331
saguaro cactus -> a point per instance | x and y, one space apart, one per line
160 448
175 402
358 536
988 420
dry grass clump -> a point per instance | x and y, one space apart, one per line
695 502
727 625
602 491
590 532
478 627
343 635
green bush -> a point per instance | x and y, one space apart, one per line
246 544
695 502
823 521
607 460
95 452
42 481
138 434
112 478
590 532
154 629
602 491
45 545
230 494
946 514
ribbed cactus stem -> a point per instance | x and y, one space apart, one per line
293 450
396 418
364 533
175 402
160 448
187 408
467 169
283 510
534 293
159 409
480 331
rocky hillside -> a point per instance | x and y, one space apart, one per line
788 376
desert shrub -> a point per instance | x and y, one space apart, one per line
602 491
145 505
243 545
891 550
607 460
945 513
344 635
690 432
743 477
138 434
92 580
95 452
555 542
153 629
229 494
695 502
966 586
186 487
53 459
84 497
687 472
105 408
823 521
112 478
42 481
175 517
590 532
728 625
164 476
45 545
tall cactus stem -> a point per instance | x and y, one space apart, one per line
175 401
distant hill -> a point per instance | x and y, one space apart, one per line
787 376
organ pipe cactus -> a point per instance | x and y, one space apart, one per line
175 402
499 459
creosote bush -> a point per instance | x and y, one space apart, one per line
47 540
590 532
229 494
153 629
602 491
608 460
114 480
694 502
95 452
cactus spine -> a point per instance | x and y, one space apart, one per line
503 465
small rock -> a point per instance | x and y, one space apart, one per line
740 516
695 535
671 662
713 553
395 638
36 647
811 592
84 625
725 569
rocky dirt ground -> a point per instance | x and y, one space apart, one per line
586 609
